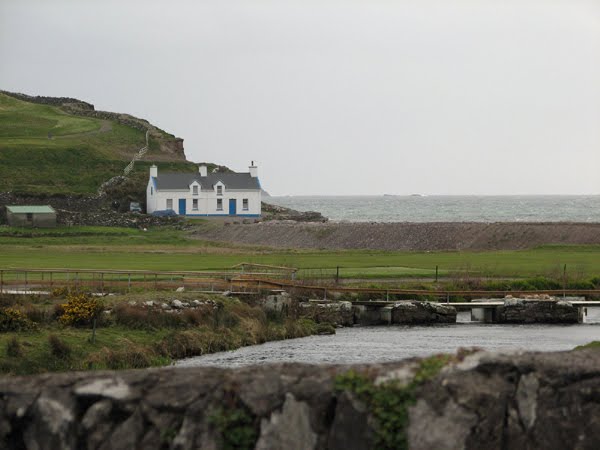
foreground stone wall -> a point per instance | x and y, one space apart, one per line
490 401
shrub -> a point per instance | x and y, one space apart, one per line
79 310
12 319
60 291
58 348
132 356
14 348
139 318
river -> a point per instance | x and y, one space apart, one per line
389 343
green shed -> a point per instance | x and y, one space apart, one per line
31 216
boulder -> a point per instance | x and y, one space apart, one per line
335 313
533 310
415 313
178 304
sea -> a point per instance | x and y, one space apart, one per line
447 208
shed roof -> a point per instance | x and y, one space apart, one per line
182 181
31 209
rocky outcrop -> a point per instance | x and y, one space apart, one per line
281 213
532 310
423 313
483 400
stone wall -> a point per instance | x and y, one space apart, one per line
85 210
483 400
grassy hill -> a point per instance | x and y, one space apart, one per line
67 147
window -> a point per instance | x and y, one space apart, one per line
29 217
219 190
219 204
195 204
245 204
195 190
169 203
151 190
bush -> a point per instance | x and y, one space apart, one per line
59 348
79 310
14 349
12 319
139 318
132 356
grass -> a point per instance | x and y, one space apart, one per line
135 337
171 249
82 153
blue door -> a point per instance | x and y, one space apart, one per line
232 207
182 206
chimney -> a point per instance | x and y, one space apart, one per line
153 171
203 170
253 170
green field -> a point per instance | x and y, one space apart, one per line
171 249
46 150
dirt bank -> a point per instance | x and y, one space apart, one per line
406 236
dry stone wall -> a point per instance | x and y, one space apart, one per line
483 400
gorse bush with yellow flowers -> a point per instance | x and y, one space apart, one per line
12 319
79 310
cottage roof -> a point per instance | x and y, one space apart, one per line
182 181
31 209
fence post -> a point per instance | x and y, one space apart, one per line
436 273
565 281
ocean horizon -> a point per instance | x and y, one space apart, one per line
447 208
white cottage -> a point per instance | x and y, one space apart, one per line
204 194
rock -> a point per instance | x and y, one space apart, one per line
287 429
351 428
335 312
482 401
180 289
416 312
534 310
132 303
278 303
196 302
114 388
149 303
177 304
165 306
51 425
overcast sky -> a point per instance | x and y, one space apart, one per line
337 97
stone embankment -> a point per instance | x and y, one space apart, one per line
482 400
407 236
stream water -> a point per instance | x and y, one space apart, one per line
388 343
